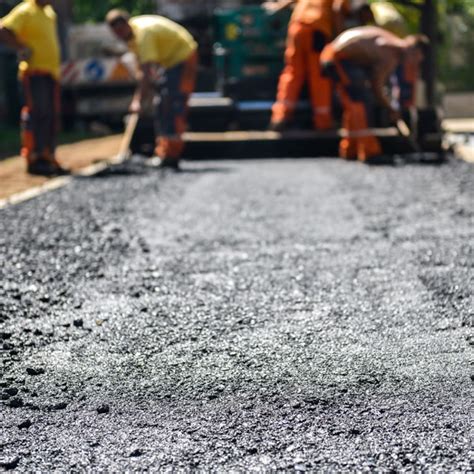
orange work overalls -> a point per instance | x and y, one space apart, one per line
357 102
310 28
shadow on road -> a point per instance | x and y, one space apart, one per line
424 159
139 169
209 169
118 170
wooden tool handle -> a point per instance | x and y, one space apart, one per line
128 134
403 128
406 133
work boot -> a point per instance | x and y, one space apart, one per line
170 163
41 167
279 126
379 160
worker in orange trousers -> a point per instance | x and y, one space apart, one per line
361 61
30 29
313 24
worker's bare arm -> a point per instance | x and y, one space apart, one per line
9 38
381 71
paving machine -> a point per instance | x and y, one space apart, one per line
230 115
248 51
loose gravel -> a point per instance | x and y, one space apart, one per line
255 315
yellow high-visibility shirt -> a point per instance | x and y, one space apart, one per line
389 18
35 27
160 40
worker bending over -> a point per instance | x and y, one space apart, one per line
160 42
30 29
385 15
313 24
360 61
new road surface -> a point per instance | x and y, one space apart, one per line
240 315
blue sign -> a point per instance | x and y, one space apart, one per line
94 70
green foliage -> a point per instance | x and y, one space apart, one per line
460 6
10 139
94 11
456 58
456 40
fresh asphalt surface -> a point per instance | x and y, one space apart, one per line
267 314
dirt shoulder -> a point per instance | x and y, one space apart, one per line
13 176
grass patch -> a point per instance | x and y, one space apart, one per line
10 140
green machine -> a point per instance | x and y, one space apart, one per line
248 51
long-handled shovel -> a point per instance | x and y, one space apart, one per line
124 150
122 155
405 132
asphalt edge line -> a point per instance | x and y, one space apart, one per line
61 181
31 193
91 170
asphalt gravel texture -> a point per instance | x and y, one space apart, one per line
261 315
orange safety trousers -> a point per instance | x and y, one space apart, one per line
177 84
352 81
302 62
39 116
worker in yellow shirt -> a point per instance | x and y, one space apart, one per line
30 29
160 42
